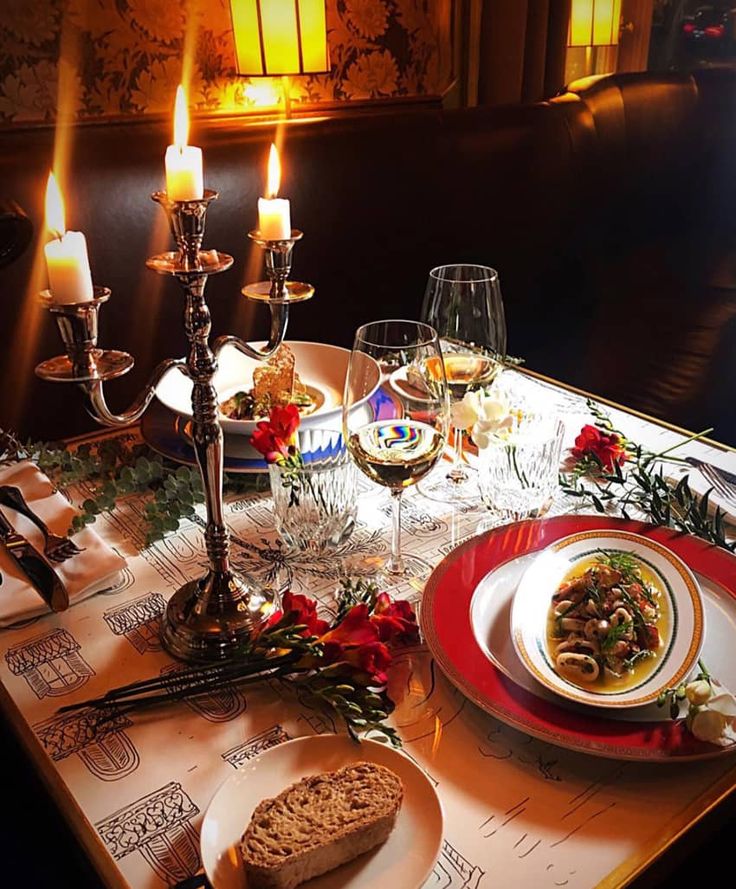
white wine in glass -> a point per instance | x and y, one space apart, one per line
396 435
464 305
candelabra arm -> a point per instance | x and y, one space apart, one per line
279 322
97 406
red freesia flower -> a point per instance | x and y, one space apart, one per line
273 437
354 629
284 421
395 621
372 658
265 442
608 447
354 642
299 610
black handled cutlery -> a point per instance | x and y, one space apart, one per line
36 567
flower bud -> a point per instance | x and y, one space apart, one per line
698 692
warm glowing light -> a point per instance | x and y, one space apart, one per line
55 222
437 735
262 93
274 214
181 118
277 37
594 23
274 173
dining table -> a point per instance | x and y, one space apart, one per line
519 810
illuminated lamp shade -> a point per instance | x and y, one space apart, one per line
594 23
280 37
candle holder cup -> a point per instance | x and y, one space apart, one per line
278 290
209 619
78 327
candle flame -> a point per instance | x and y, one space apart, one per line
181 118
274 173
54 208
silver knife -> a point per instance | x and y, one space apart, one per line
37 569
730 477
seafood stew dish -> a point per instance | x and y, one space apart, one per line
608 623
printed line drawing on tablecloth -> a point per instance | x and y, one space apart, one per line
103 747
139 621
584 808
453 871
275 564
424 699
257 510
416 521
50 663
256 745
158 827
319 723
222 705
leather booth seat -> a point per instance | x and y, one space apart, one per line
608 211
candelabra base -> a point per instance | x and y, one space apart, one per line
210 620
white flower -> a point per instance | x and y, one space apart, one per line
494 419
698 692
714 720
465 413
485 415
707 725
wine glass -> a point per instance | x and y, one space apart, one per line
396 415
464 305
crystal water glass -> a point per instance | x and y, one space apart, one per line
315 505
518 472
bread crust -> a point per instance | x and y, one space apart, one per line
320 823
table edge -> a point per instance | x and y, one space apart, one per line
63 799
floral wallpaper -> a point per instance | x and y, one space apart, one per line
121 57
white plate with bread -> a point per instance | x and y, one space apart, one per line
325 809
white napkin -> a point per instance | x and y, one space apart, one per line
94 569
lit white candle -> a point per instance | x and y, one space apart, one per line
184 176
70 280
274 214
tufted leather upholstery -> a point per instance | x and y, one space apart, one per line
609 212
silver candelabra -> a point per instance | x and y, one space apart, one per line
206 619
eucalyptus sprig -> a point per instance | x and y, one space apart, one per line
117 468
640 485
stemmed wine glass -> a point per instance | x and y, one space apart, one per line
397 430
464 305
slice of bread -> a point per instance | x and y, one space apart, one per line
319 824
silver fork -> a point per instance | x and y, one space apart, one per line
56 548
718 482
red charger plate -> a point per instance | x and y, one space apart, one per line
446 624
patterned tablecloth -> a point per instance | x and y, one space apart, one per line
518 812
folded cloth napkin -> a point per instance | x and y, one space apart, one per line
95 568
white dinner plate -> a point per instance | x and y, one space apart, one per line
406 858
682 640
321 367
491 618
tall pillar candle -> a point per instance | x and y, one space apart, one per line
70 279
184 174
274 214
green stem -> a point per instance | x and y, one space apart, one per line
696 437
